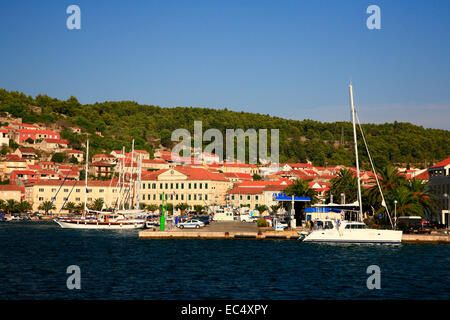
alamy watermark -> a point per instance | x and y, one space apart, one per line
74 20
374 280
374 20
74 280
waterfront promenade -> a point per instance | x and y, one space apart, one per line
245 230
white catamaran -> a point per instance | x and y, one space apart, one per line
354 231
117 219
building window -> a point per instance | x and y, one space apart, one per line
160 185
200 185
206 197
41 198
143 186
41 189
167 186
248 197
154 185
189 197
195 197
182 186
206 186
176 186
77 190
189 186
102 190
232 197
77 199
195 186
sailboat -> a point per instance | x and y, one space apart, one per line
92 219
353 231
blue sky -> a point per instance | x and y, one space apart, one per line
292 59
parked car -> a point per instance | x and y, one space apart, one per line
247 218
191 223
205 219
412 224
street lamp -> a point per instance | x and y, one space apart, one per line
446 195
395 214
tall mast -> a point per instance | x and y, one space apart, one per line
86 176
356 152
123 177
138 185
131 177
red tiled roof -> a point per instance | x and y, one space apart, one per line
34 167
26 150
56 141
10 187
442 163
191 173
103 156
36 131
153 161
69 183
27 172
73 151
422 176
100 164
47 172
240 190
14 157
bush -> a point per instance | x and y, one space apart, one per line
261 223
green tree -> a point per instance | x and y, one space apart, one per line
58 157
23 206
198 208
47 206
70 206
182 207
152 207
345 183
261 208
96 205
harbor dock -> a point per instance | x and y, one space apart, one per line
244 230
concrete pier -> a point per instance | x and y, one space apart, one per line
246 230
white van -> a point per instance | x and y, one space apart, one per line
223 215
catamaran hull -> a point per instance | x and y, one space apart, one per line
366 236
100 225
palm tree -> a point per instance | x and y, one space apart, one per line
70 206
422 191
47 206
274 208
300 188
11 206
182 207
261 208
23 206
97 204
346 183
152 207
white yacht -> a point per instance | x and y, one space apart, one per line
117 219
353 231
102 221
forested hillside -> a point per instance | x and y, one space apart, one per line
151 126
